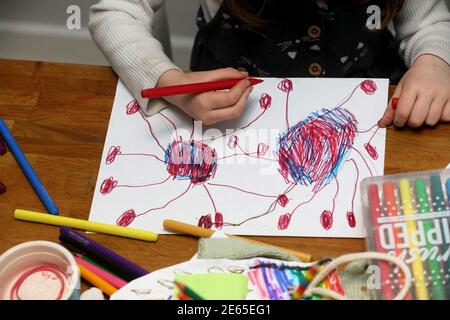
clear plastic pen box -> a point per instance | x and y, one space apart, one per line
407 215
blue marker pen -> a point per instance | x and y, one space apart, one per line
27 169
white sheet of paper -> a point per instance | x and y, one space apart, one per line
248 189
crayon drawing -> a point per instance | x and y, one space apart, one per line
290 166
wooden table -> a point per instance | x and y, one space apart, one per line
59 115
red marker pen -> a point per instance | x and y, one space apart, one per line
394 103
153 93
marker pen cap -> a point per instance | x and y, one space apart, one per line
39 270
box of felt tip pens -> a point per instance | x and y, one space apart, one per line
408 216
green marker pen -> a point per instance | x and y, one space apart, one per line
434 266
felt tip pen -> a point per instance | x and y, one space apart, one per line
447 186
394 103
375 212
434 266
416 264
437 193
27 169
118 264
189 292
132 233
199 87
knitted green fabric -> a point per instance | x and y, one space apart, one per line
236 249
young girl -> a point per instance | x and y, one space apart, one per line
285 38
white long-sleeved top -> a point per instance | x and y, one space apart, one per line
122 29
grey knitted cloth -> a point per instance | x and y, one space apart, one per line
236 249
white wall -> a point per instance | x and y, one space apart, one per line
36 30
181 15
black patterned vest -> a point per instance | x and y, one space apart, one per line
323 39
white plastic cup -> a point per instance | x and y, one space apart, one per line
18 259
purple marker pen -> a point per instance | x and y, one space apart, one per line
109 259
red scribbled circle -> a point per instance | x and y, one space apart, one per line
285 85
326 219
218 220
265 101
205 221
312 151
368 86
194 160
283 221
233 141
132 107
371 150
112 153
282 200
108 185
126 218
262 149
351 219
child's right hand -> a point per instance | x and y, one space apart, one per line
209 107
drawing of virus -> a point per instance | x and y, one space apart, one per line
310 153
190 160
313 151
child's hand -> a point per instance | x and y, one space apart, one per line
209 107
424 95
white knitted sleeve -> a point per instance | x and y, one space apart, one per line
122 29
423 26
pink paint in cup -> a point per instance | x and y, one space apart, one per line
39 270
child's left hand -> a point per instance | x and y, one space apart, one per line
424 95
